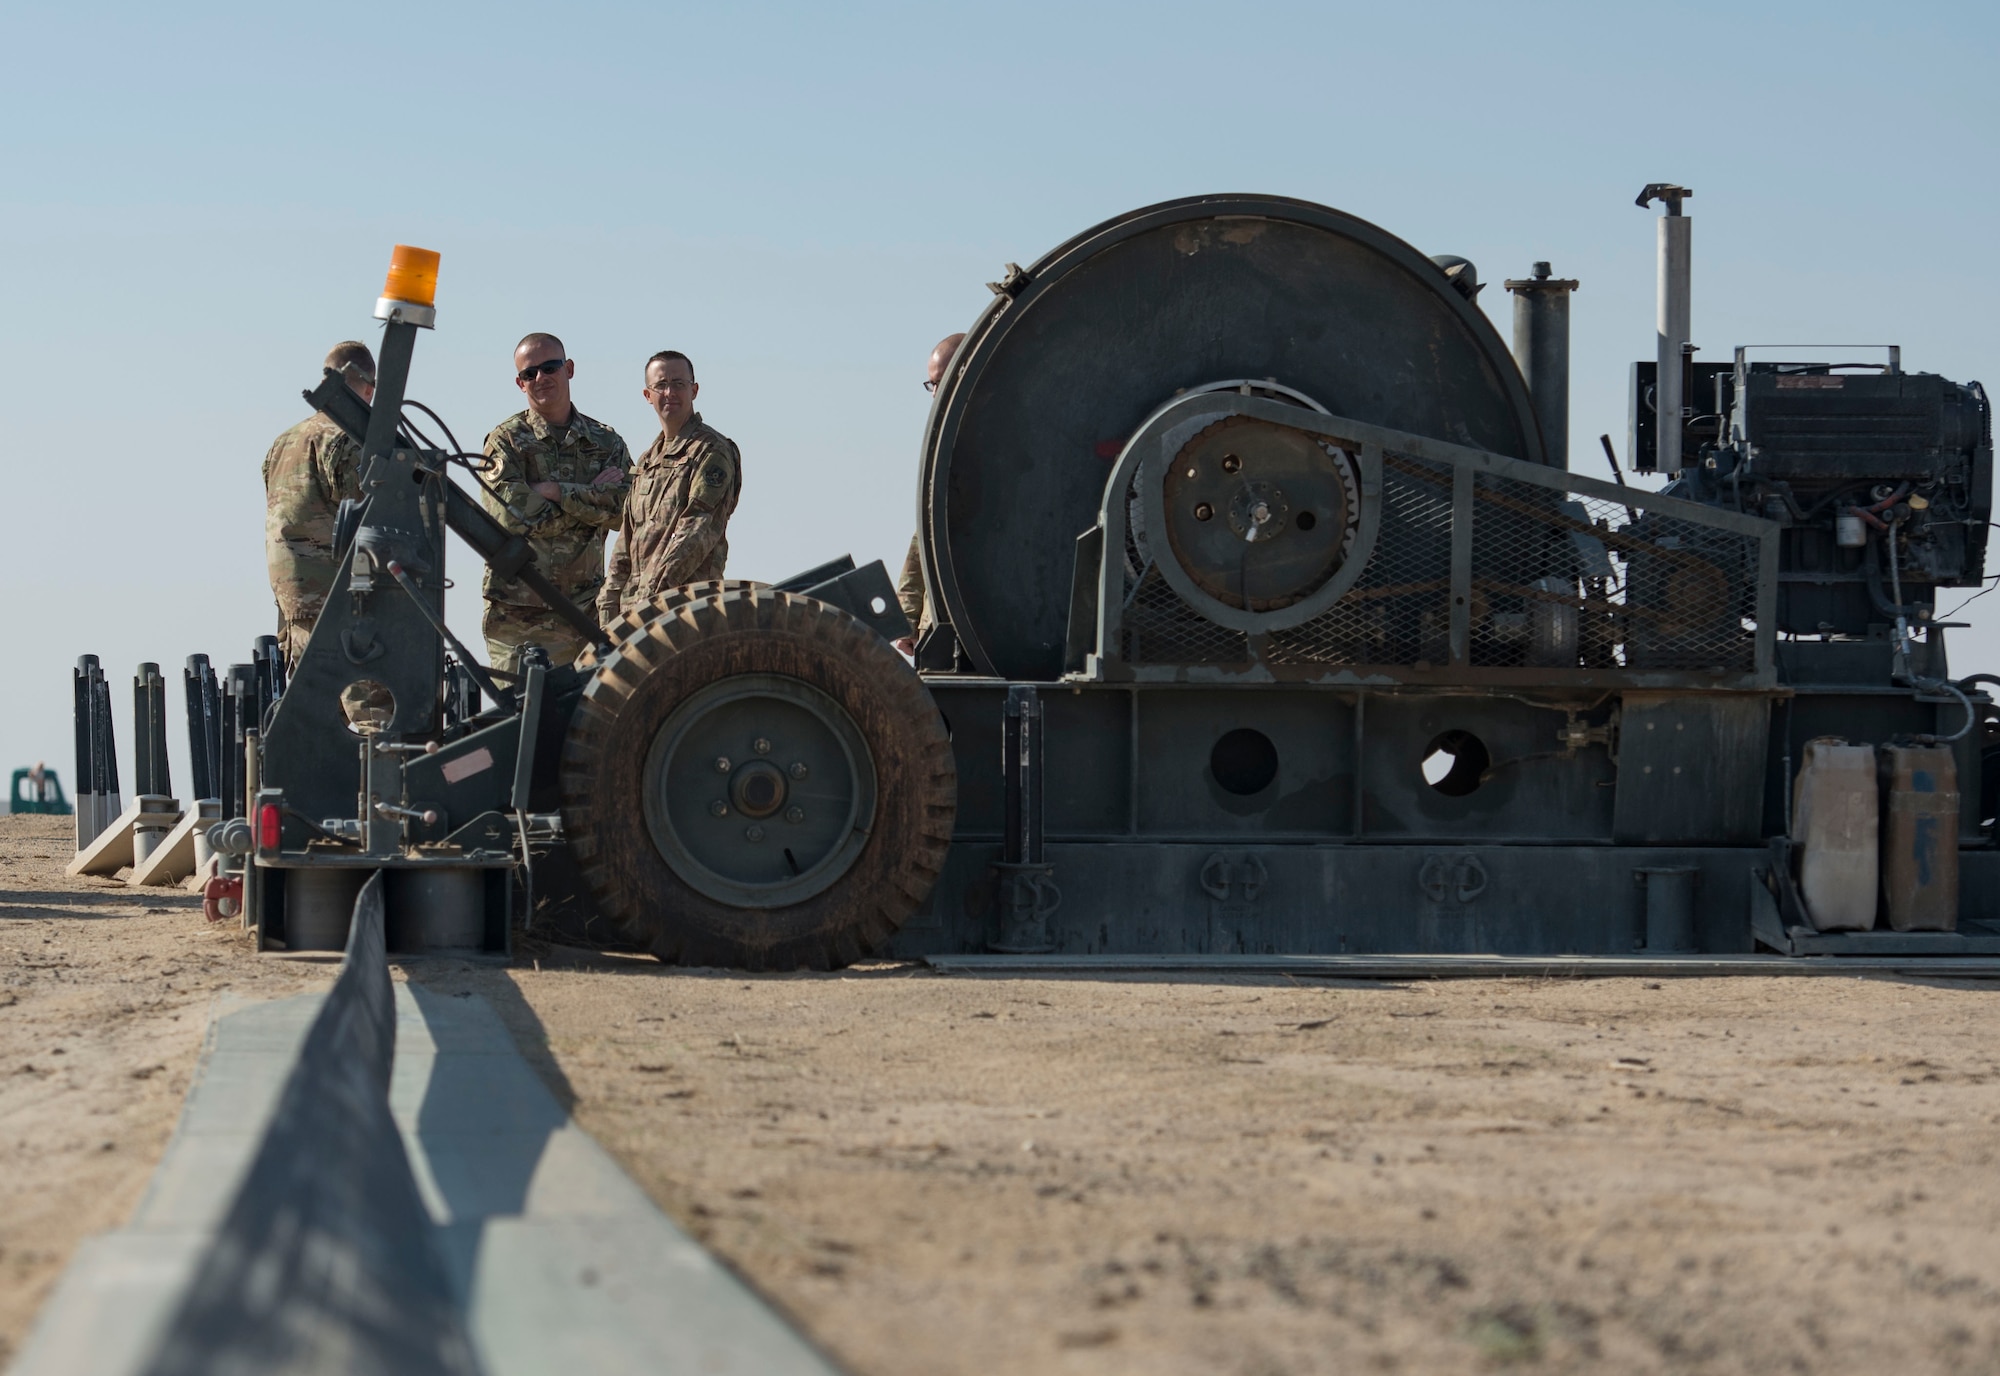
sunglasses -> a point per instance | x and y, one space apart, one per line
549 369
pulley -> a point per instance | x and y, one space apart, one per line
1077 351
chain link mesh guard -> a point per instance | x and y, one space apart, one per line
1463 566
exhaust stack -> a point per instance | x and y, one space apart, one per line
1541 347
1669 399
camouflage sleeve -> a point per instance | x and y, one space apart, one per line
910 587
705 519
601 506
518 508
298 524
339 466
617 574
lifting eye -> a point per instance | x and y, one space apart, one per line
1202 511
1231 464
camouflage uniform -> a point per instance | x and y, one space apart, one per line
676 527
309 469
910 588
567 535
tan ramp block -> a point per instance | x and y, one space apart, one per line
173 859
111 851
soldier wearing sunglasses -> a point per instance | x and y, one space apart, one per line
560 479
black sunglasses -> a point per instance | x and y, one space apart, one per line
549 369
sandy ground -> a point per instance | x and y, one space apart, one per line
940 1175
105 993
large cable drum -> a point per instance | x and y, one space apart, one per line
1075 353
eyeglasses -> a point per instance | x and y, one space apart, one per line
549 369
672 384
930 384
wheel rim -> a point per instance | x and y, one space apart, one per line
788 815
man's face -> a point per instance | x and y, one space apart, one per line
671 390
547 388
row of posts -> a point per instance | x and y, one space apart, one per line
221 712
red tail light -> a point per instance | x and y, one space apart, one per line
269 827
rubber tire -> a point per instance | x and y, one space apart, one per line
753 630
673 599
656 606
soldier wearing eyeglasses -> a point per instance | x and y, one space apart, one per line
559 478
307 472
676 527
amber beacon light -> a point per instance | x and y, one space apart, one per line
410 292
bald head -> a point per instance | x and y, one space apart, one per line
941 360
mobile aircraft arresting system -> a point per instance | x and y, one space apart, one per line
1268 617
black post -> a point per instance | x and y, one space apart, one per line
1028 892
88 807
270 662
273 655
198 691
241 715
149 734
1021 768
104 747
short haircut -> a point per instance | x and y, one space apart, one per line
351 359
668 356
538 338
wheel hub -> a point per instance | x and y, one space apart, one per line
759 791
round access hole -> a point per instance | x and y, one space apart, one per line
1244 761
1455 763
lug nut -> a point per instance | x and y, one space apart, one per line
761 746
1202 511
722 764
799 770
719 808
753 833
1231 464
795 814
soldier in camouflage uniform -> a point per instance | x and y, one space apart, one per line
561 478
307 472
910 587
676 526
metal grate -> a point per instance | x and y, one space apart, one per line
1399 611
1159 628
1558 578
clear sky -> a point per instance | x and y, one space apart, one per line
200 199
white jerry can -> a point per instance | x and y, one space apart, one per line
1836 821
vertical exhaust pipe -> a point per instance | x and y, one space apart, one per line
1669 385
1541 347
